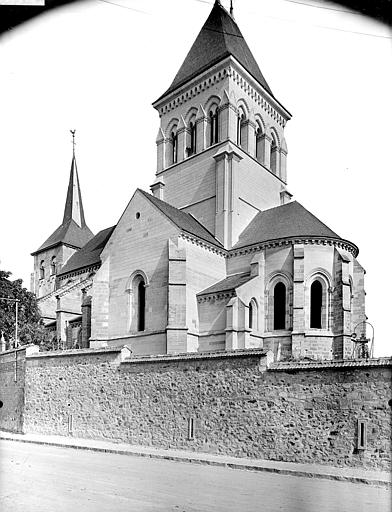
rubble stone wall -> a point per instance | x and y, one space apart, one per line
238 406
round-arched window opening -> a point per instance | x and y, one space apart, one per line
137 215
1 404
316 302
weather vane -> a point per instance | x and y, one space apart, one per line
73 140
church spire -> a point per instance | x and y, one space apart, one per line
73 206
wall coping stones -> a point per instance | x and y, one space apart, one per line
124 351
195 356
321 365
30 349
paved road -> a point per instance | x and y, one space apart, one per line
48 479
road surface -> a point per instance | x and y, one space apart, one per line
37 478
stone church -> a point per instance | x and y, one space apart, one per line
218 256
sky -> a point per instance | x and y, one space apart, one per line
97 65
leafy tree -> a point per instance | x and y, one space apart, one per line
30 325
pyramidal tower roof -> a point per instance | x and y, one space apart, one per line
219 38
73 230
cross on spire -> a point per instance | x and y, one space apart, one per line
73 141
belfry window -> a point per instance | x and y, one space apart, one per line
316 304
174 146
42 270
53 267
274 156
258 143
214 125
192 129
241 130
279 306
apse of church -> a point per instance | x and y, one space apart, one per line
218 257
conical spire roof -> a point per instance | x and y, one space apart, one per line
219 38
73 230
73 204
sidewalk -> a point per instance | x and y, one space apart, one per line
355 475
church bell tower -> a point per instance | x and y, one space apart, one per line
221 151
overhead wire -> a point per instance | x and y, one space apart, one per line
367 34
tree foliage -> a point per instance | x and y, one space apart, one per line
30 325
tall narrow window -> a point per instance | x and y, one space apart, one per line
174 147
214 126
274 156
316 303
53 266
42 270
141 305
250 315
193 137
241 130
279 306
258 143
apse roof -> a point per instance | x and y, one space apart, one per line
88 255
285 221
229 283
183 220
219 38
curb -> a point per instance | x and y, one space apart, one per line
207 462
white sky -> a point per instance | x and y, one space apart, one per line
97 67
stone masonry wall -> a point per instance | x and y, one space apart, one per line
12 388
239 407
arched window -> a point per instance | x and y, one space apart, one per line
241 129
53 267
252 315
214 125
141 305
42 270
279 306
192 137
136 289
258 143
316 304
174 146
274 155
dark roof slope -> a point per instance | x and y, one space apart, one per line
227 284
219 38
88 255
69 233
183 220
286 221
